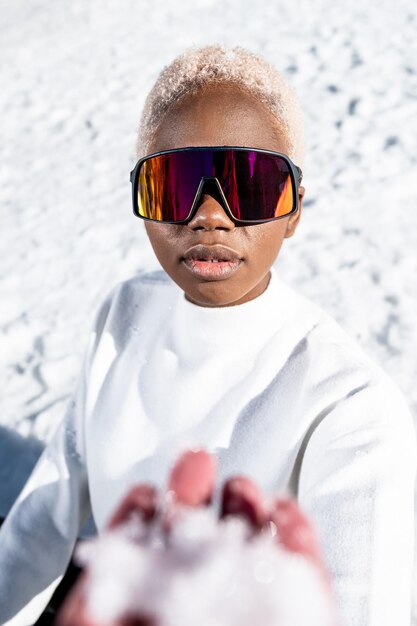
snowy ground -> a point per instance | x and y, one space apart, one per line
74 78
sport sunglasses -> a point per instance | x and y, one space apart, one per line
256 185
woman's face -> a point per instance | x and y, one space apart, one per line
220 115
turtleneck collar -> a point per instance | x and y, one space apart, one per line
196 328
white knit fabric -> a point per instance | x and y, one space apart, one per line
276 388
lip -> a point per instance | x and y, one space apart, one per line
208 253
199 260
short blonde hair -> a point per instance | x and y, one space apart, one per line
199 66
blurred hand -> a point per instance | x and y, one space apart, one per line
191 484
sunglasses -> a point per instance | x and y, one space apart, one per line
255 185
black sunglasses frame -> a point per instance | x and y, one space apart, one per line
295 172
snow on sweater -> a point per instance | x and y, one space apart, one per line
276 388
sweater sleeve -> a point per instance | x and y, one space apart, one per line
357 483
39 534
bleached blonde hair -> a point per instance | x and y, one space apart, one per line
197 67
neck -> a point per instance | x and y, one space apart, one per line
196 331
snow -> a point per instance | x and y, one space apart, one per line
75 77
205 572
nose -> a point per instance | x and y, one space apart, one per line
210 210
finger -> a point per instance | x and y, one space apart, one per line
73 611
192 477
295 532
141 500
241 496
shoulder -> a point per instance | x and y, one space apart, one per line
135 288
367 401
345 382
128 299
361 422
332 348
144 281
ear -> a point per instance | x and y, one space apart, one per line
295 217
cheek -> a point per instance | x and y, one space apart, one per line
162 238
267 238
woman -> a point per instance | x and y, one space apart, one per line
216 350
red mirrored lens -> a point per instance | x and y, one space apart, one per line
257 185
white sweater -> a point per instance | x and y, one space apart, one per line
276 388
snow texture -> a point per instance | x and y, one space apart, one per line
205 572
